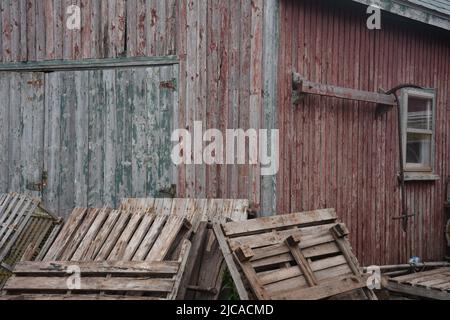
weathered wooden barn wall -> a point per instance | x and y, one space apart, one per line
338 153
220 48
37 29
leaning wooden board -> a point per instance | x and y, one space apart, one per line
205 266
296 256
434 284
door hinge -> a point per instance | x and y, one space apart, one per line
170 192
39 186
171 84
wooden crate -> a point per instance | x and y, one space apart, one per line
434 284
92 237
26 228
205 266
297 256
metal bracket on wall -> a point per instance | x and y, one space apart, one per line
39 186
301 87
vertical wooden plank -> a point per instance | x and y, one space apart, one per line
6 31
110 198
165 101
66 161
24 28
269 122
31 34
58 29
67 42
15 132
49 28
139 134
81 162
190 80
52 143
131 28
97 115
15 30
124 109
32 122
4 131
95 36
86 30
40 30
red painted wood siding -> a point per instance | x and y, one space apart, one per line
339 154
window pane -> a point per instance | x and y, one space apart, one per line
418 149
419 113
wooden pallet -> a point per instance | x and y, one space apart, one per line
26 229
434 284
205 266
97 280
294 257
99 235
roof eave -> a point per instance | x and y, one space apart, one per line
411 11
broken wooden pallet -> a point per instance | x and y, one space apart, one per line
99 235
297 256
205 266
434 284
26 229
70 280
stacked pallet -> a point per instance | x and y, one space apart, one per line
131 253
26 229
295 257
434 284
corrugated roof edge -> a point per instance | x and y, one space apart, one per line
437 17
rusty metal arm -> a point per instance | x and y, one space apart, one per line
302 86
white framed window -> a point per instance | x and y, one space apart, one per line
418 132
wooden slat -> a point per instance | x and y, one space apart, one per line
283 221
418 291
324 290
66 234
87 242
111 241
121 268
102 235
30 284
149 240
119 248
166 239
79 235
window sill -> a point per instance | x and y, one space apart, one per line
417 176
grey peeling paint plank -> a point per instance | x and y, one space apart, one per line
96 139
270 72
164 113
52 140
139 135
110 198
123 141
15 132
81 169
4 131
66 161
33 131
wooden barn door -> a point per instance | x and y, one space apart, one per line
21 132
108 135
